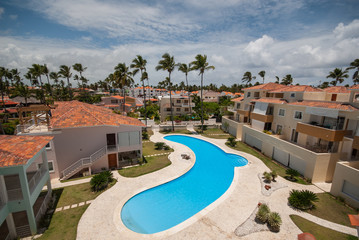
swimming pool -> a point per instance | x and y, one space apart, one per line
162 207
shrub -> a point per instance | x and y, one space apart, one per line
101 181
145 135
231 141
166 147
303 199
267 177
159 145
274 175
203 128
274 221
263 213
292 173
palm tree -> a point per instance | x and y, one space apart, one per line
65 72
23 91
186 69
355 65
287 80
139 65
46 72
201 64
124 77
36 71
15 76
338 75
79 68
55 76
277 79
262 74
247 77
167 63
2 86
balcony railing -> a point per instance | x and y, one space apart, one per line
245 113
14 194
43 208
34 181
262 118
331 135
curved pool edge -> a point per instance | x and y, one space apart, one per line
188 222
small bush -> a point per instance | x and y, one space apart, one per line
274 221
166 147
144 135
292 173
303 199
231 141
159 145
101 181
263 213
274 175
267 176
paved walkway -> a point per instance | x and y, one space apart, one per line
191 129
218 221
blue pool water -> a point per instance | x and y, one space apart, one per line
169 204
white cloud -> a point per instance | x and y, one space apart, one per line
1 11
349 31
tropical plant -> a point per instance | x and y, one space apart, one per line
231 141
167 63
287 80
262 74
292 173
274 221
159 145
36 71
101 181
274 175
201 65
65 72
145 135
267 177
338 75
225 126
123 77
186 69
355 65
2 86
277 79
303 199
263 213
247 77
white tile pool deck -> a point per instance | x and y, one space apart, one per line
218 221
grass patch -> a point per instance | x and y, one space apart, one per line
181 131
76 194
209 131
153 164
64 224
331 209
319 232
75 179
148 148
271 164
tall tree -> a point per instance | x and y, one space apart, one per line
167 63
79 68
338 75
247 77
186 69
201 65
37 70
124 77
262 74
139 65
355 65
2 85
55 76
46 72
277 79
287 80
65 72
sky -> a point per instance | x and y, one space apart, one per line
304 38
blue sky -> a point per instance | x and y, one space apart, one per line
305 38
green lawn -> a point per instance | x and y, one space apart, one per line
209 131
332 210
63 225
181 131
153 164
148 148
271 164
319 232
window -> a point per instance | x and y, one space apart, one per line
281 112
298 115
128 138
48 146
178 101
238 105
178 109
50 165
279 129
294 137
292 95
186 109
186 101
248 94
114 101
256 94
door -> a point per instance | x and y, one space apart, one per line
112 161
111 139
294 137
334 97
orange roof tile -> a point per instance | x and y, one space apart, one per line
79 114
270 100
297 88
321 104
153 100
117 97
354 86
237 99
9 110
267 86
354 219
17 150
336 89
8 102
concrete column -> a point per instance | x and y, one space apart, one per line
27 200
11 226
3 192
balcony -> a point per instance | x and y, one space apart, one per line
356 142
331 135
187 105
245 113
262 118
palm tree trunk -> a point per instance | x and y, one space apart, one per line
144 98
124 100
169 76
189 101
202 102
42 90
69 89
2 94
48 81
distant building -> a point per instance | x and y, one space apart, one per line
182 105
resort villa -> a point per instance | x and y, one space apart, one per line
86 138
181 105
118 102
23 174
313 131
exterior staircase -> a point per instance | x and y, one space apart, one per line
83 162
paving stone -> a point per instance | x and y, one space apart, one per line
74 205
66 207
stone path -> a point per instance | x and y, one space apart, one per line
191 129
73 206
158 154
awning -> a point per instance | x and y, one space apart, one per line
325 112
260 108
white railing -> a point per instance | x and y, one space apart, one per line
36 179
43 208
23 231
14 194
84 162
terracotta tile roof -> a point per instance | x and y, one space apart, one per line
128 105
17 150
111 105
8 102
9 110
153 100
117 97
267 86
297 88
354 86
237 99
336 89
270 100
79 114
332 105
